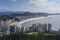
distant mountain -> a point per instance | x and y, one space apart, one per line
26 13
22 13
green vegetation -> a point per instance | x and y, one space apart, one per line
33 36
5 17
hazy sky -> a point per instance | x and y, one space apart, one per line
50 6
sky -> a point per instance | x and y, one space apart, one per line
50 6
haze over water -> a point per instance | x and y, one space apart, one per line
53 19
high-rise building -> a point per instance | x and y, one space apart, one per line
34 27
12 28
39 27
49 27
45 27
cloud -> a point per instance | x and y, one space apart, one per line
0 8
5 9
44 6
54 7
13 0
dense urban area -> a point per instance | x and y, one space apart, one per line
10 31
